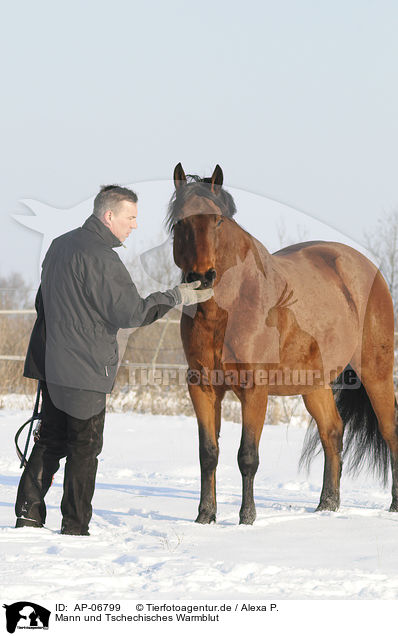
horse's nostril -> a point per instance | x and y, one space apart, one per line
192 276
205 279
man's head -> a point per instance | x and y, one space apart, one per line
116 207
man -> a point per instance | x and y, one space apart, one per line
86 295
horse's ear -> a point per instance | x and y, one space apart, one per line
179 176
217 179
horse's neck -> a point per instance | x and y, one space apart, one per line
241 247
262 256
245 274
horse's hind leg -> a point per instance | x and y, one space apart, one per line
374 363
321 406
382 398
207 405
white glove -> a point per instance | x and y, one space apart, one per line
190 294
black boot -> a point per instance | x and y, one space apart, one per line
27 523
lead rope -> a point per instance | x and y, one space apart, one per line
36 434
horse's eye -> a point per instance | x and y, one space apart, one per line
219 222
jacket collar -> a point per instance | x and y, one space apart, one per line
93 224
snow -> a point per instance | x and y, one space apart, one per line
144 543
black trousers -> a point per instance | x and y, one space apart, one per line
80 441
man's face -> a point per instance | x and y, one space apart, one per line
122 219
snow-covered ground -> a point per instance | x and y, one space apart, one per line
144 543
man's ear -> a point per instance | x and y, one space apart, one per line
106 219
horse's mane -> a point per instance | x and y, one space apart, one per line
200 187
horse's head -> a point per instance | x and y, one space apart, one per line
196 215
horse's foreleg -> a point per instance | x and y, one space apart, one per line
207 405
321 405
254 406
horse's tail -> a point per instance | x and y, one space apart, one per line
363 444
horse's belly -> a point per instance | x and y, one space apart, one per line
304 340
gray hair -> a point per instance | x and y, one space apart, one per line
109 198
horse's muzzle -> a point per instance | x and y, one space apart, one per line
206 279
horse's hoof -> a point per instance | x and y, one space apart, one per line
204 517
247 518
330 505
394 506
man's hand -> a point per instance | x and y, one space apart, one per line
190 294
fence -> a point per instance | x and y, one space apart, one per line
154 348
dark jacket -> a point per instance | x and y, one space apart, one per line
86 295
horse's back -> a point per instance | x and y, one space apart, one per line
297 247
349 270
326 252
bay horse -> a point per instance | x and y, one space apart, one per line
290 323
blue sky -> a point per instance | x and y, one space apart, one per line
296 100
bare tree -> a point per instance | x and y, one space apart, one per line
382 242
154 269
285 238
14 292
